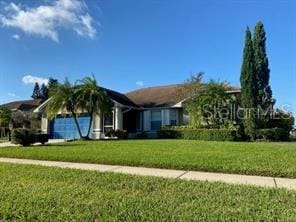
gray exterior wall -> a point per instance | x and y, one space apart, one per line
168 115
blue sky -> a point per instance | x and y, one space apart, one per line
139 43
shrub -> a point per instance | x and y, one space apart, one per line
199 134
24 137
293 135
110 133
41 138
169 134
274 134
121 134
210 134
282 120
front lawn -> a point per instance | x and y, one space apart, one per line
269 159
32 193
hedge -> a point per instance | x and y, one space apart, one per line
170 134
199 134
274 134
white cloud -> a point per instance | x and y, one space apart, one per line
12 94
29 79
140 83
47 20
16 36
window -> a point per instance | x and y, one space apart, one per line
173 117
155 120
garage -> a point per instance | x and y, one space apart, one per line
63 127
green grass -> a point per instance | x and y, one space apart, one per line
269 159
32 193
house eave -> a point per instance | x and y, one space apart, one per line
41 108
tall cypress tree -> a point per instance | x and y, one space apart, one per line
44 92
249 88
52 83
262 69
36 91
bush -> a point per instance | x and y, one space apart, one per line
275 134
199 134
169 134
24 137
282 120
121 134
41 138
210 134
293 135
110 133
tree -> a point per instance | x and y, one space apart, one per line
92 98
261 64
52 83
64 98
262 71
36 91
5 116
190 86
21 119
5 120
211 106
44 92
249 88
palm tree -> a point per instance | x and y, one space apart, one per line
92 98
64 97
206 106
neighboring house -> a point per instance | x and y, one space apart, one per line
22 113
143 110
23 105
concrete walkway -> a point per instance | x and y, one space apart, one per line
260 181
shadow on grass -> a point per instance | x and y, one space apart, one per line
58 145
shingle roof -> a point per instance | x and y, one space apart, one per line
160 96
24 105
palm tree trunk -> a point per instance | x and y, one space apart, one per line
77 124
89 126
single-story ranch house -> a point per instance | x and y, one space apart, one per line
143 110
23 105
